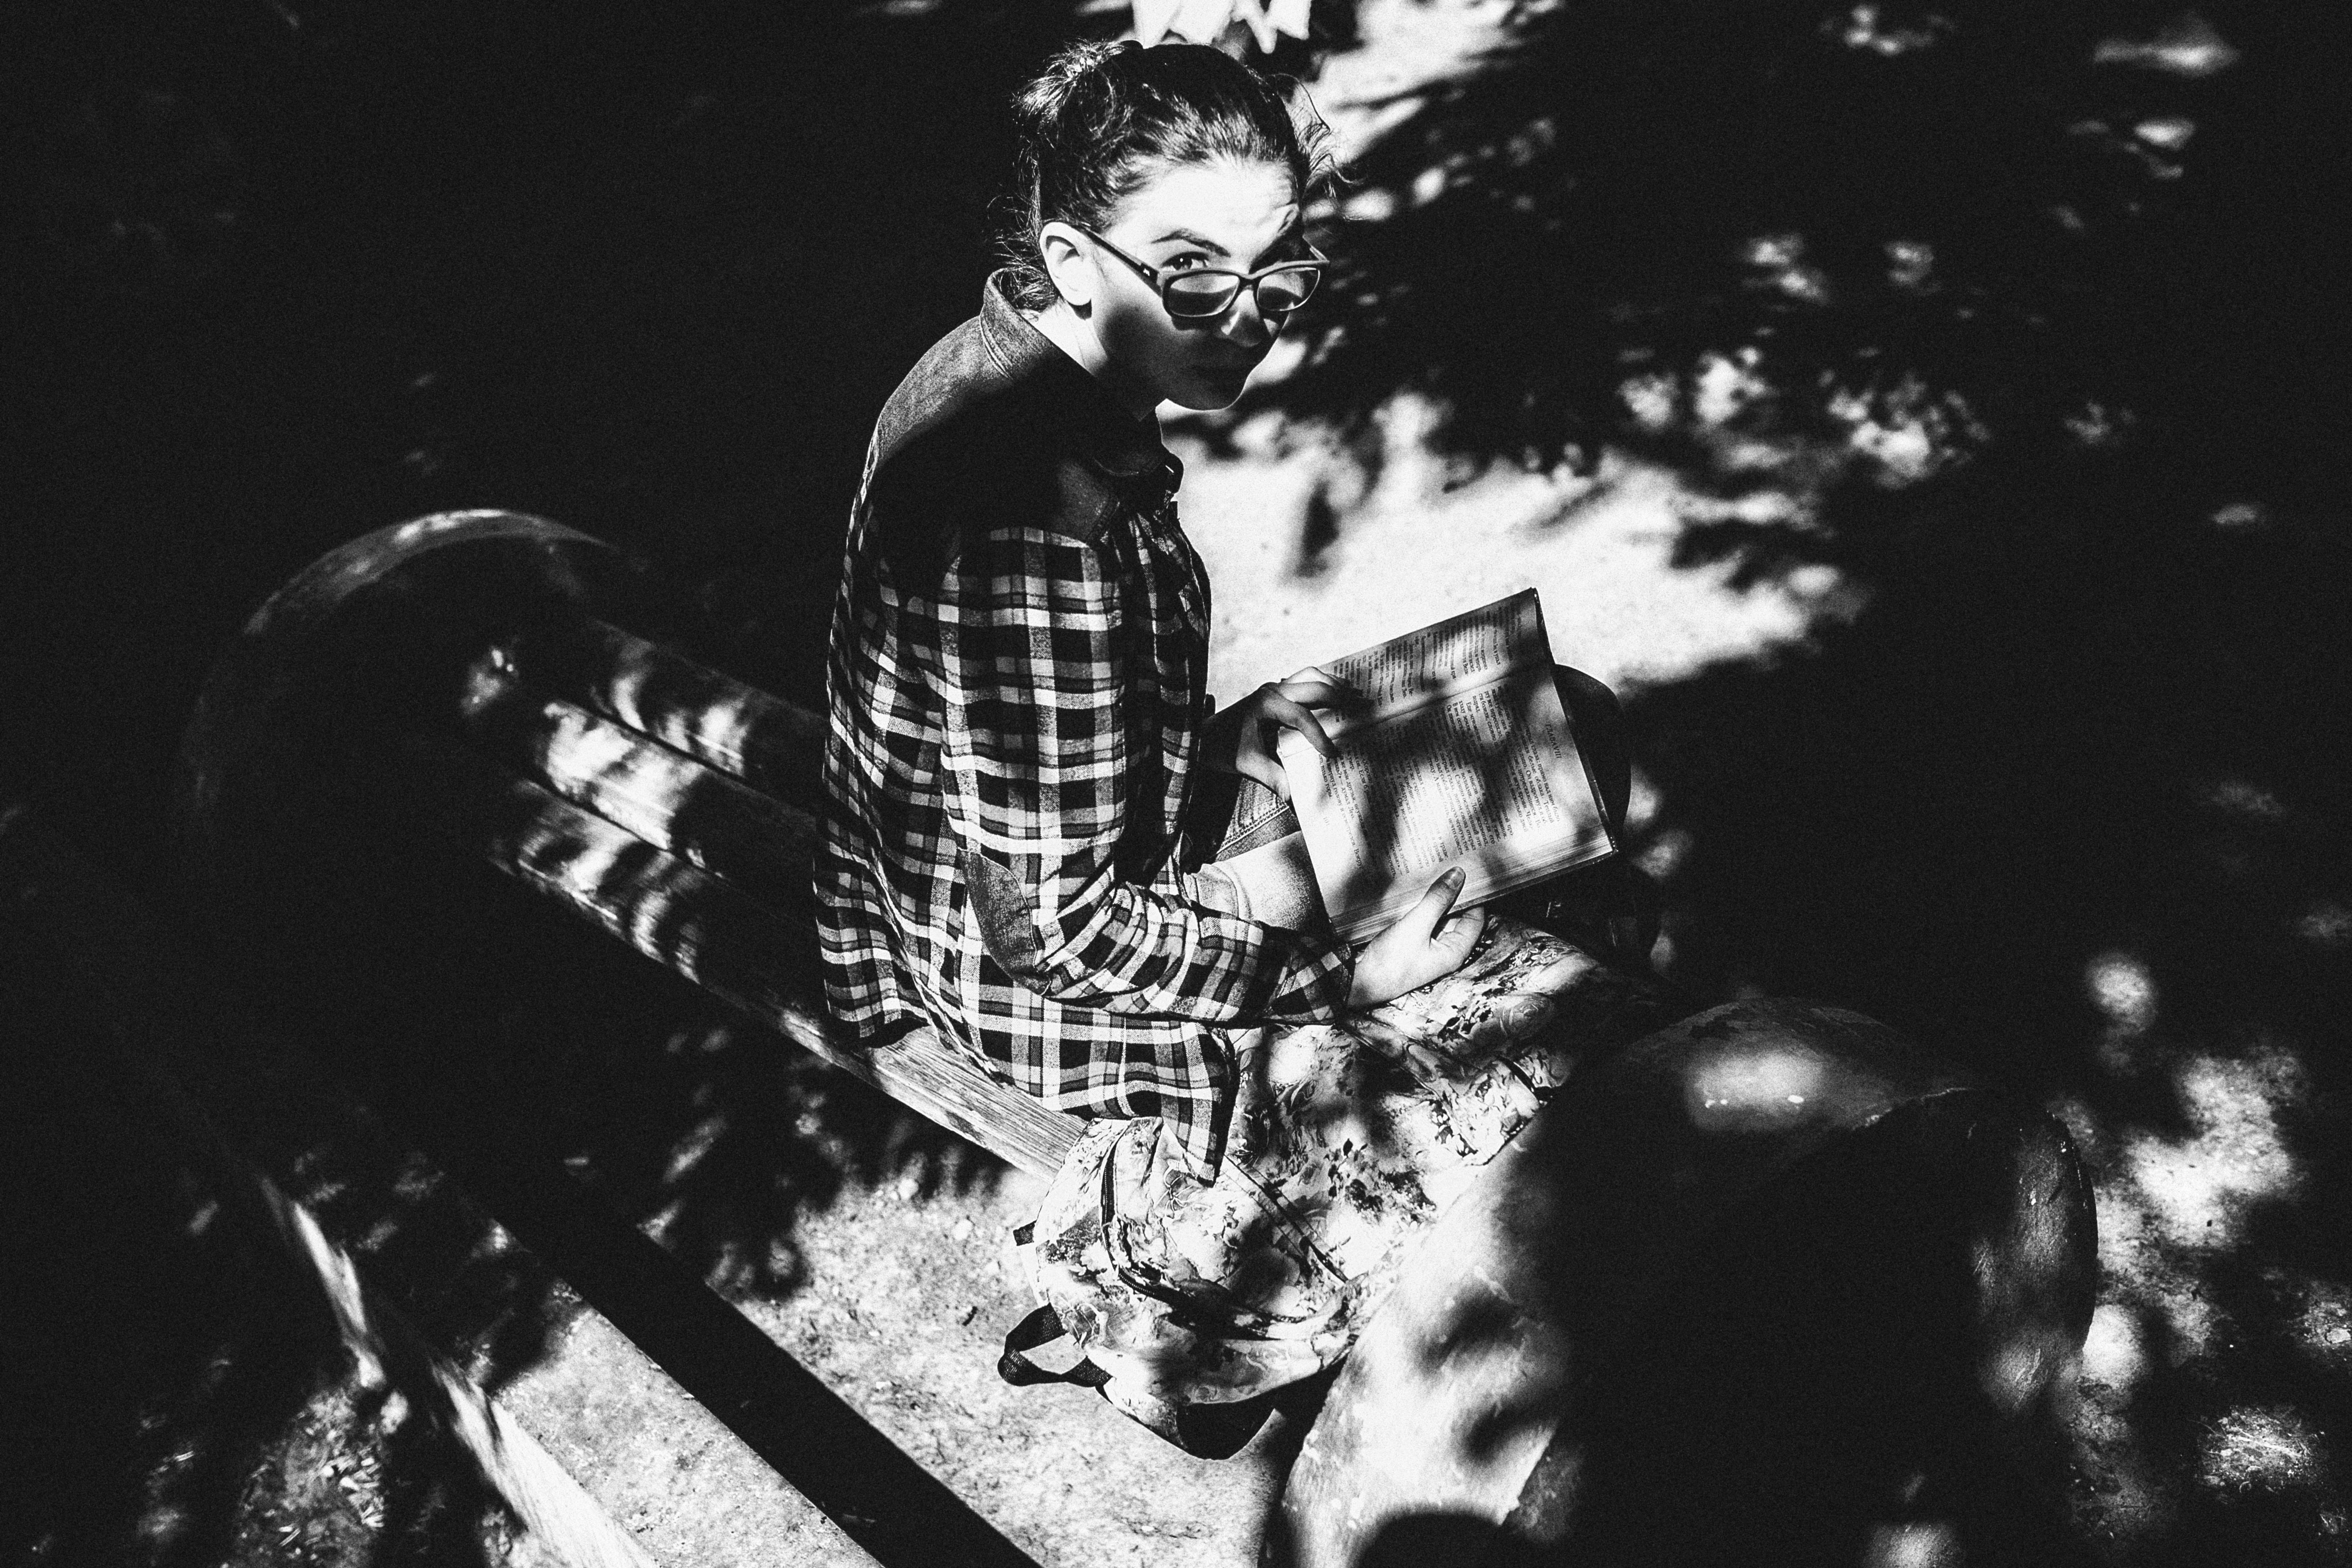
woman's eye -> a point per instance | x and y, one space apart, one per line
1185 263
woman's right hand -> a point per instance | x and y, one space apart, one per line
1420 946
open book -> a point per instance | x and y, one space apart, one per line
1461 755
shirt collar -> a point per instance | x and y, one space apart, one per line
1105 433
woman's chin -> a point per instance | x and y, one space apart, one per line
1206 395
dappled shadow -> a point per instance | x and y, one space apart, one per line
1914 231
435 705
289 272
1835 1236
174 1390
2022 330
1814 1385
1805 1393
1913 295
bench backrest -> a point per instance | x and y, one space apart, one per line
471 672
674 807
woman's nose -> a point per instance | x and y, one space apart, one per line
1244 325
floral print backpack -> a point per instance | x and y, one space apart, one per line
1347 1141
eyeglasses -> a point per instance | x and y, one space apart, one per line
1204 293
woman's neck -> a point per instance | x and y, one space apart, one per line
1075 336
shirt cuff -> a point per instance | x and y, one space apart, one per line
1322 971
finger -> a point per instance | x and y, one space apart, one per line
1316 693
1266 770
1280 709
1430 913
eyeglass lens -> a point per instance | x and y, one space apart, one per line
1210 293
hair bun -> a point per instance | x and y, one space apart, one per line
1065 78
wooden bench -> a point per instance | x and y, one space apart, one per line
507 687
499 665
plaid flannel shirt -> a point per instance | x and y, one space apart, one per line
1015 685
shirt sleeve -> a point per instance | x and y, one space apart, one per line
1030 677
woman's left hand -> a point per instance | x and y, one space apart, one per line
1241 740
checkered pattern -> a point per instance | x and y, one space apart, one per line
1010 760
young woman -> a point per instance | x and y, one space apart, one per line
1015 681
1020 645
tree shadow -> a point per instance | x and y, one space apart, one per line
2027 336
1650 229
289 271
174 1393
2059 800
1812 1393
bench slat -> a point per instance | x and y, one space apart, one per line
764 846
725 941
772 745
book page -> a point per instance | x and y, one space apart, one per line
1456 653
1489 781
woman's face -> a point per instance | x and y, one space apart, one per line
1239 216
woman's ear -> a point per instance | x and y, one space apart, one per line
1069 265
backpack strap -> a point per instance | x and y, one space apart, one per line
1042 1327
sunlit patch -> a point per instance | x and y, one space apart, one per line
2122 988
1664 854
1779 262
2325 1323
2189 46
2022 1369
1642 801
691 1150
439 522
416 1180
1725 385
2113 1353
2096 424
2266 1449
2083 1125
2243 797
1919 1544
2326 924
1866 27
162 1523
1650 399
1908 430
1538 137
1290 1057
1751 1091
1606 550
1759 507
2198 1190
1909 263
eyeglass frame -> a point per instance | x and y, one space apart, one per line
1317 261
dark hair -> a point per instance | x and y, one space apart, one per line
1102 118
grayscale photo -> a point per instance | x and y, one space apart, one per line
1190 784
